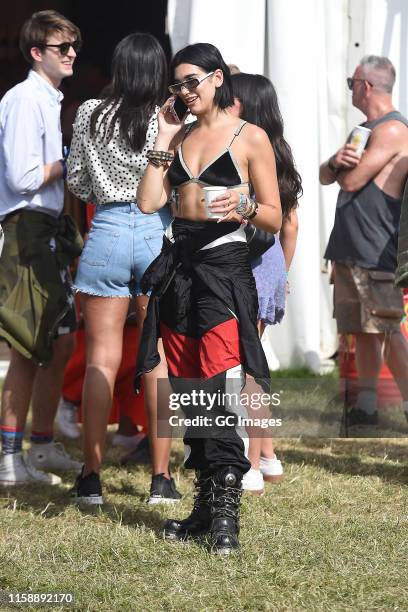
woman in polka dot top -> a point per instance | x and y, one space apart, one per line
106 162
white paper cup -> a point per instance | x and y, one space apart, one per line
359 137
210 193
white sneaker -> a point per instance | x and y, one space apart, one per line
128 442
51 456
15 470
67 419
253 482
271 469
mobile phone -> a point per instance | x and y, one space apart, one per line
178 109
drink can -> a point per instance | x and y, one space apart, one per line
359 137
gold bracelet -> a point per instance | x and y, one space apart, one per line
251 209
156 162
159 158
160 155
254 211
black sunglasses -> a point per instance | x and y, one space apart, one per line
189 84
351 81
65 46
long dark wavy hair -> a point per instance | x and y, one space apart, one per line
207 57
259 105
139 81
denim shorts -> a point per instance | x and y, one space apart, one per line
121 244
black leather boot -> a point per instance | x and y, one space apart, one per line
198 523
226 498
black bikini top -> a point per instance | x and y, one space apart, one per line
223 170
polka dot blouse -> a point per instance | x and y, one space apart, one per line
103 172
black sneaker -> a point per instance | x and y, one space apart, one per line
163 490
356 416
139 456
87 489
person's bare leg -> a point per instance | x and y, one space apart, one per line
261 327
396 357
17 390
48 384
256 441
267 449
254 452
369 360
369 355
104 322
252 390
159 446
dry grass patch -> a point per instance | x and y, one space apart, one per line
332 536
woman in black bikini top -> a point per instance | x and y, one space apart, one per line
204 300
218 149
223 170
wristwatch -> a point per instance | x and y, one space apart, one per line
332 167
253 212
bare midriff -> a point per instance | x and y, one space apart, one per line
190 201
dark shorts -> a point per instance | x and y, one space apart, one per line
366 301
14 261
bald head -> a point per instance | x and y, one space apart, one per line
379 71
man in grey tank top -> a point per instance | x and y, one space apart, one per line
402 270
363 242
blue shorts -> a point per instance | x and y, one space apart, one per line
122 242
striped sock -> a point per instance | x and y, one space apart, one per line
41 437
11 440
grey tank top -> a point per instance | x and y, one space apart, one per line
366 224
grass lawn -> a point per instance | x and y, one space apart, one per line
332 536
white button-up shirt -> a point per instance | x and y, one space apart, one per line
30 137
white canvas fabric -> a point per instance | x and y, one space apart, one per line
307 48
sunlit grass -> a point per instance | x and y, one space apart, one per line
332 536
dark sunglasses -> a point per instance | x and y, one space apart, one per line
65 47
189 84
351 81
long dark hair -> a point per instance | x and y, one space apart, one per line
208 58
139 80
259 105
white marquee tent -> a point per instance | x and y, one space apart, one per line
307 48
